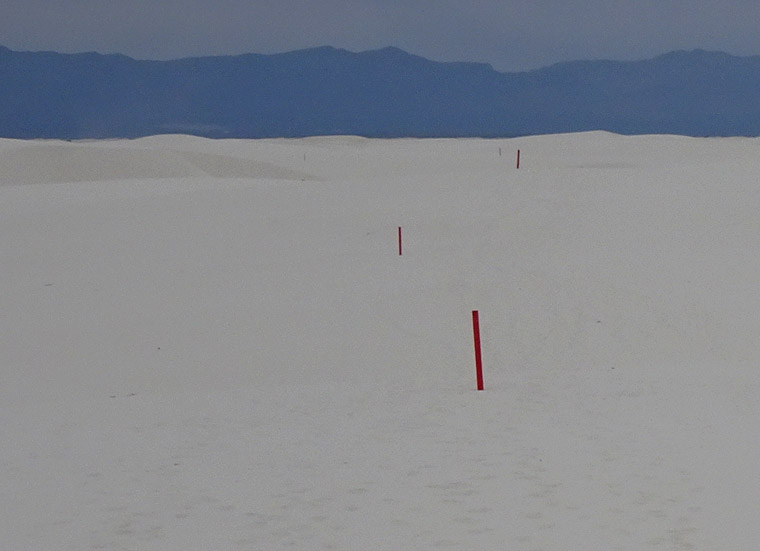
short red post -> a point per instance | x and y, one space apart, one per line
478 358
399 240
518 158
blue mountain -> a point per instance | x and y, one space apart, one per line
380 93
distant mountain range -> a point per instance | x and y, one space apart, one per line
381 93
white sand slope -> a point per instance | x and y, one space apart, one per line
215 345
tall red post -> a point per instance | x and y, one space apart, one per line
478 358
399 240
518 158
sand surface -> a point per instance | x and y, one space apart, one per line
215 344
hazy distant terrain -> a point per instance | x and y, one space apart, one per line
382 93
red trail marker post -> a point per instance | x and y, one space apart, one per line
518 158
478 357
399 240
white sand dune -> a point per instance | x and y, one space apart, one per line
215 344
94 162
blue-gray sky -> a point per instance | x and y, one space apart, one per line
511 35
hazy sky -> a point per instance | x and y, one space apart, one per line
509 34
